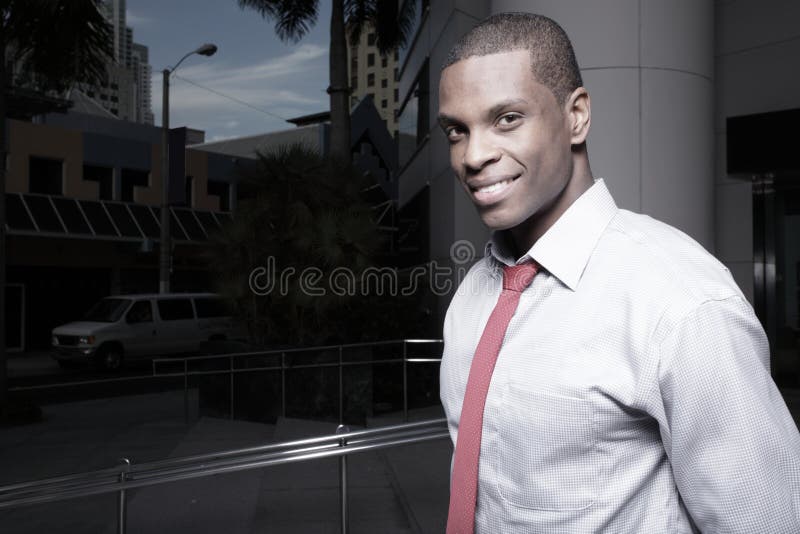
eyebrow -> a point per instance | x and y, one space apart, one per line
500 106
444 119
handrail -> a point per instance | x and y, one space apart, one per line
126 476
278 352
175 469
182 364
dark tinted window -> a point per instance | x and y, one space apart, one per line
17 216
46 176
174 228
71 215
104 176
211 307
140 312
98 217
129 180
174 309
123 220
44 213
107 310
190 224
208 221
146 220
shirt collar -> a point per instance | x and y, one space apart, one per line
565 248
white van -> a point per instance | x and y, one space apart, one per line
142 326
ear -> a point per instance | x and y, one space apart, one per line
579 114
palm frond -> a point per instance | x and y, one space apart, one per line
293 18
79 50
393 23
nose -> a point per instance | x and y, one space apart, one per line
480 151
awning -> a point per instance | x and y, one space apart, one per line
57 216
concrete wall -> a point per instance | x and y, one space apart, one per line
197 167
79 139
26 140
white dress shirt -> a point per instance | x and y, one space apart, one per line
632 393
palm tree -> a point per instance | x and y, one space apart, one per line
57 43
302 211
293 19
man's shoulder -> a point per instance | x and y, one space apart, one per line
665 259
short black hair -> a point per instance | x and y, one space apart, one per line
552 59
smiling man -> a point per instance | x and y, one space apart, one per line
602 372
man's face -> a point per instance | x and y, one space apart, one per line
509 140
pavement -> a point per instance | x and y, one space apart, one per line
399 490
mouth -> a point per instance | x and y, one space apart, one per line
491 193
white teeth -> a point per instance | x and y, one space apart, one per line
494 187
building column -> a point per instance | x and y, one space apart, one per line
116 183
648 66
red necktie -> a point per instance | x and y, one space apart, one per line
464 486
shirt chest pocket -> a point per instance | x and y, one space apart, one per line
547 458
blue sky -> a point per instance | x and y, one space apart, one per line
251 65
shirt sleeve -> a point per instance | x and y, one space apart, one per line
732 443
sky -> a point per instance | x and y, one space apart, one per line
252 65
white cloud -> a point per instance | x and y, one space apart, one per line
220 138
286 86
269 85
134 20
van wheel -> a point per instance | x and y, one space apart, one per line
109 358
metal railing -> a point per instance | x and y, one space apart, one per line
237 363
128 476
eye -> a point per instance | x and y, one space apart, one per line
453 133
509 119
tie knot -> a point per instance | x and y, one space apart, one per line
518 277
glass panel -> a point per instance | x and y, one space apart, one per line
71 215
175 309
122 218
98 218
17 216
413 119
44 213
147 221
208 307
140 312
190 224
208 221
107 310
175 231
223 218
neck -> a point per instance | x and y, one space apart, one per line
525 235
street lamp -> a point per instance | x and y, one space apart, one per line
165 254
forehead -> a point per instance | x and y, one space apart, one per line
479 82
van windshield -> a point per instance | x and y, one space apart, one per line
107 310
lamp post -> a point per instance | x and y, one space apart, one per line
165 253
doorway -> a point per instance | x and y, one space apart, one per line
776 250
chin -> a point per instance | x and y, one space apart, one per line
497 223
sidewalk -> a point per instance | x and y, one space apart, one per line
37 363
400 490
